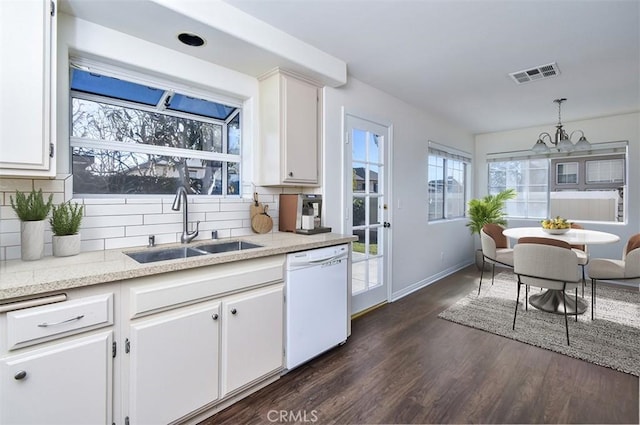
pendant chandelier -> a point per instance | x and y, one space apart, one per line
561 141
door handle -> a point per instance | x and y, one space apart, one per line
386 224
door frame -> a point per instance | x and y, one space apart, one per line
347 203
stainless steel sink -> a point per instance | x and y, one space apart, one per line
164 254
214 248
191 251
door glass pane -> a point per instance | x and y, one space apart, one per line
358 212
373 242
374 272
374 211
358 178
359 277
374 148
374 173
359 145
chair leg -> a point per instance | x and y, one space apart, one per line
584 281
593 297
526 297
481 273
516 312
576 307
566 321
493 273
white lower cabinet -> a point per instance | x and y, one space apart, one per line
252 337
196 339
64 383
174 364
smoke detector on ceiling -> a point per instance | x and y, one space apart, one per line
537 73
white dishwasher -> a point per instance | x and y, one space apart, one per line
316 302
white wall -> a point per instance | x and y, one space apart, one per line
416 244
598 130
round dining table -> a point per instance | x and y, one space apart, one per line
552 300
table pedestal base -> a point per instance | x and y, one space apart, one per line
552 301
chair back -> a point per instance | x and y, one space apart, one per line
631 257
546 263
495 232
580 247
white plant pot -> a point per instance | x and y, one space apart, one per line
31 240
65 246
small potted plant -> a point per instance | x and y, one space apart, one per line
32 211
489 209
65 223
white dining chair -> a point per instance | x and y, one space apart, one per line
546 263
609 269
495 250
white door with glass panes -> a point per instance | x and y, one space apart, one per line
367 213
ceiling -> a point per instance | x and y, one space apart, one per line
451 58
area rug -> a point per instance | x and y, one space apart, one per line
611 340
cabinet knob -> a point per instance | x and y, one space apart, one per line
20 375
290 173
234 311
214 316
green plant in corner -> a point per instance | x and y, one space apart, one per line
65 219
31 207
489 209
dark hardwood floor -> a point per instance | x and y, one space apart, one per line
402 364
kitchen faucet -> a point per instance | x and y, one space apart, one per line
181 198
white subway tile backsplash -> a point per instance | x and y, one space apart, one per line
128 209
145 200
12 252
154 229
49 185
232 215
162 218
222 224
92 245
204 207
118 243
9 225
101 232
101 201
10 239
241 232
11 185
111 220
126 222
7 212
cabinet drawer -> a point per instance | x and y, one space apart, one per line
33 325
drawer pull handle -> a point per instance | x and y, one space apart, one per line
20 375
73 319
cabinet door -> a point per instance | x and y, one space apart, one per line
300 123
173 364
66 383
252 340
27 119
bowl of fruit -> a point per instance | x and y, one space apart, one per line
555 226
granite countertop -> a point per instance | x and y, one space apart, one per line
20 279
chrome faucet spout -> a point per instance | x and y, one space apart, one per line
181 200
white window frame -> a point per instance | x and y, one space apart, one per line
449 154
171 87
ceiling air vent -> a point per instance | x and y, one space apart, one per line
538 73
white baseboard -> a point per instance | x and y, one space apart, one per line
429 280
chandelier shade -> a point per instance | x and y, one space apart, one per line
562 141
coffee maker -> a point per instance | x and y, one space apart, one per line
301 213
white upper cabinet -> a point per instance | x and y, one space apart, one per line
27 84
288 148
